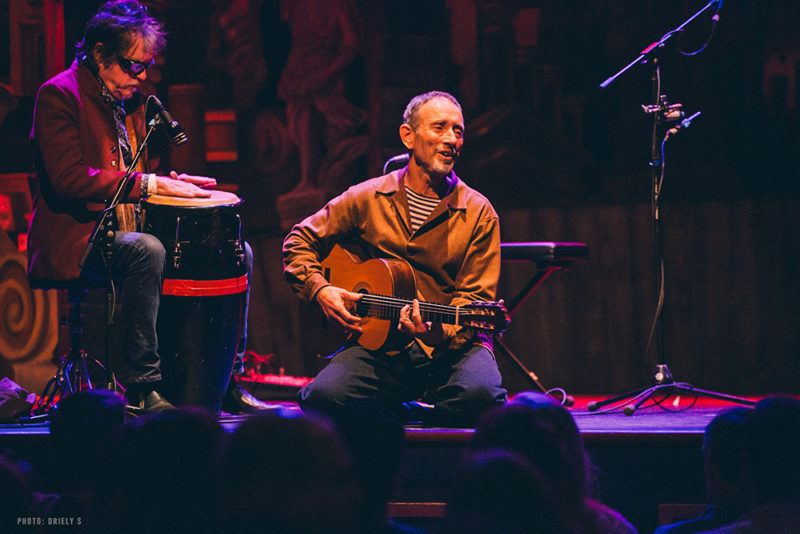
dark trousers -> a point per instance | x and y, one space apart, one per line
460 385
137 265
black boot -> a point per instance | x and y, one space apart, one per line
238 400
144 398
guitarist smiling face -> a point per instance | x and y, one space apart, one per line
433 132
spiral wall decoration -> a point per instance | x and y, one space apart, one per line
28 317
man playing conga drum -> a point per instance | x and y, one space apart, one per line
85 126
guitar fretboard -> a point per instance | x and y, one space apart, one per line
386 307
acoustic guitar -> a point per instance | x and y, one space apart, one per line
387 285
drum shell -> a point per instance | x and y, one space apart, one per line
199 330
198 339
201 242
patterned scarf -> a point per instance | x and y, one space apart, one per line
126 216
119 122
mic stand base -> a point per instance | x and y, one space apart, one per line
632 401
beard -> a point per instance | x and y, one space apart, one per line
435 166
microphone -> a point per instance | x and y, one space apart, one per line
398 159
681 125
173 129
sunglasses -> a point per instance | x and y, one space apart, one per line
135 67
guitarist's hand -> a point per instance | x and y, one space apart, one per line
411 324
336 304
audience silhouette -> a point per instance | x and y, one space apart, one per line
526 471
18 507
543 431
500 491
79 426
156 475
375 438
723 461
771 470
286 472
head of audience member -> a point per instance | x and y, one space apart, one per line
724 457
287 472
375 437
501 491
542 430
157 474
17 499
79 426
773 463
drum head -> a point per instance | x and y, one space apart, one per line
217 198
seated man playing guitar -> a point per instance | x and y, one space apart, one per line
446 235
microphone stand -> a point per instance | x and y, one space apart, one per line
123 189
103 236
652 50
663 112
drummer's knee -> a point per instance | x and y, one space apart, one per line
149 249
154 249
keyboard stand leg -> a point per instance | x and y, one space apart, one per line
529 288
530 375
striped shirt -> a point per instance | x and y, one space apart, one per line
420 207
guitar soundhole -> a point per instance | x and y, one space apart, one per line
362 307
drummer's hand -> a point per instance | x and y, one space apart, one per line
339 305
178 188
201 181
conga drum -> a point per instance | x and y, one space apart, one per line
203 296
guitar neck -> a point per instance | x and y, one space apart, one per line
386 307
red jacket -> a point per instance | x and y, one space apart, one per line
77 169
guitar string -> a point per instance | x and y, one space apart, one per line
393 302
387 307
387 303
398 302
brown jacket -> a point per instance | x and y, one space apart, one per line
455 254
77 169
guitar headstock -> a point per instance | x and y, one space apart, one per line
488 317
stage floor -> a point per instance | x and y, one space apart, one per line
682 417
